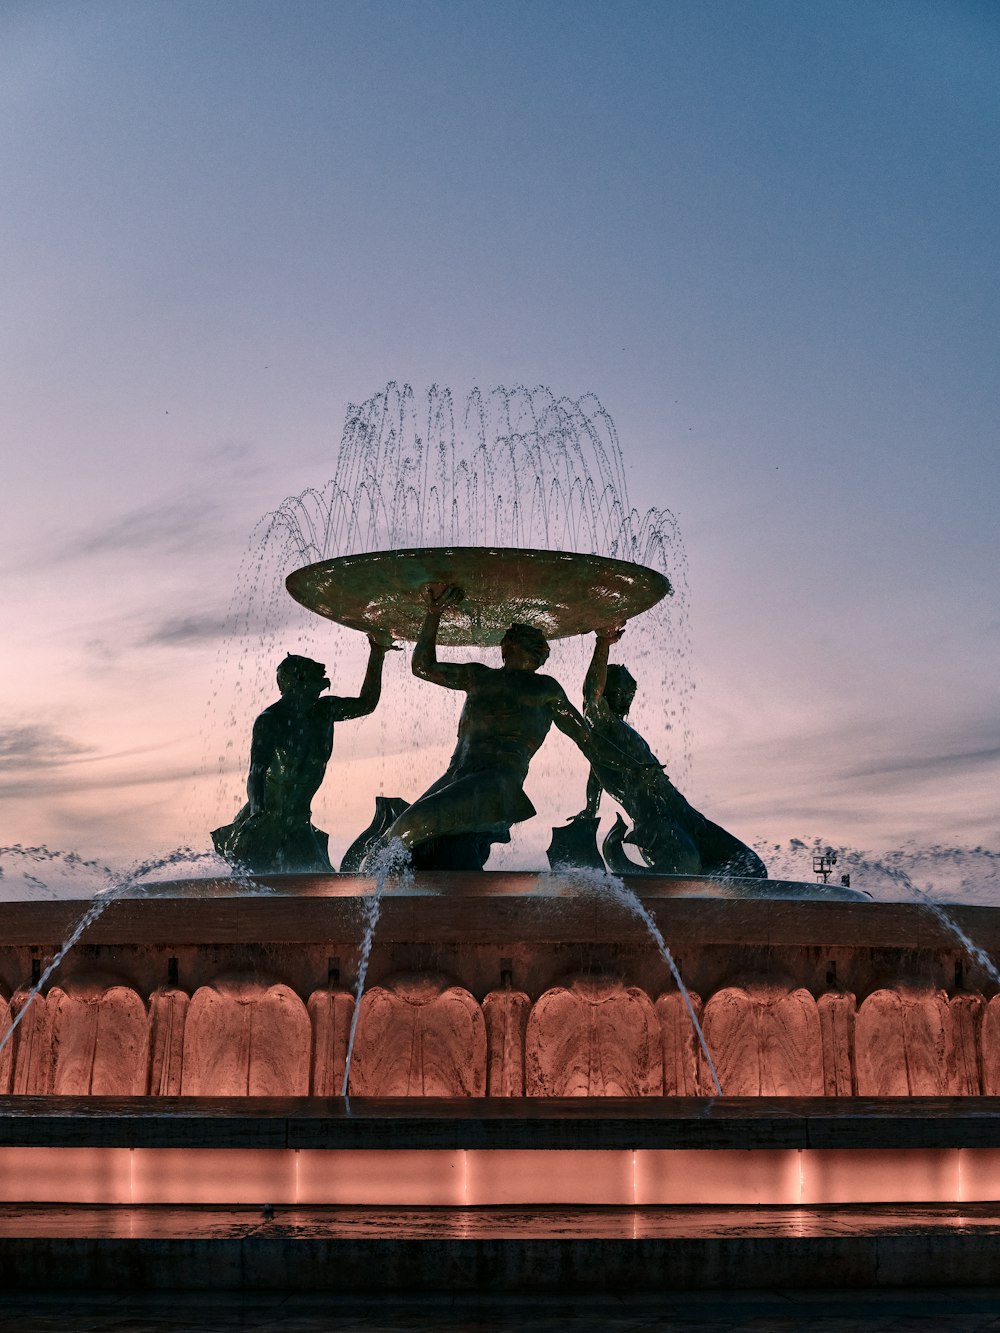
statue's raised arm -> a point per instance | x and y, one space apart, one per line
452 675
343 709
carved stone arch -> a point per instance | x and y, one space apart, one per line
965 1072
419 1035
837 1013
246 1036
7 1054
990 1047
506 1013
765 1040
31 1045
330 1013
100 1038
681 1047
168 1006
902 1040
593 1037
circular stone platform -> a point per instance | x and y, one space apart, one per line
562 593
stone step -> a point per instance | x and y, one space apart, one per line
540 1249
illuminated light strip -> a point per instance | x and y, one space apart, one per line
429 1177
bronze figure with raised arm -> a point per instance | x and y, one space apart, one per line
671 835
507 714
292 743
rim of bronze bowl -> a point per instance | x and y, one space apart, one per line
562 593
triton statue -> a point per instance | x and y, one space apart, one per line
292 742
673 837
507 713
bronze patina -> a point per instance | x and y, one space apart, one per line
560 593
507 714
292 743
671 835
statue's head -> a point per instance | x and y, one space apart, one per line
524 646
301 675
619 691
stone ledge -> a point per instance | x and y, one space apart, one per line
484 909
503 1122
536 1251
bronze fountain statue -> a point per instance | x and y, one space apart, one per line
291 746
672 837
516 599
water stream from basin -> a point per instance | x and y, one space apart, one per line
944 918
973 872
391 862
604 884
118 883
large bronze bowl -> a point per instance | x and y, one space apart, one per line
560 592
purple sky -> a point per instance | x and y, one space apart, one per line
766 236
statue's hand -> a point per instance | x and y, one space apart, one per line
436 596
611 633
382 640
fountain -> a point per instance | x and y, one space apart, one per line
435 1074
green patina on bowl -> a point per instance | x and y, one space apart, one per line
562 593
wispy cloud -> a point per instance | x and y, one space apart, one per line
192 628
177 631
35 745
929 765
170 527
44 784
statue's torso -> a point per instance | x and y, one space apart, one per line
639 781
303 743
506 716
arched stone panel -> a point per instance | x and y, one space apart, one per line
100 1039
330 1013
7 1054
680 1045
989 1037
32 1045
506 1014
246 1036
168 1008
964 1071
419 1036
595 1037
765 1041
901 1041
836 1024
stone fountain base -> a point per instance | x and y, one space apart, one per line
529 1108
496 985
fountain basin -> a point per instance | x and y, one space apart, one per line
561 593
496 985
182 1069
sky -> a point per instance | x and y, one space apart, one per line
765 236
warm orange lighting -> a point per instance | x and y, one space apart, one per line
429 1177
213 1175
869 1175
979 1175
381 1177
732 1175
505 1175
65 1175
